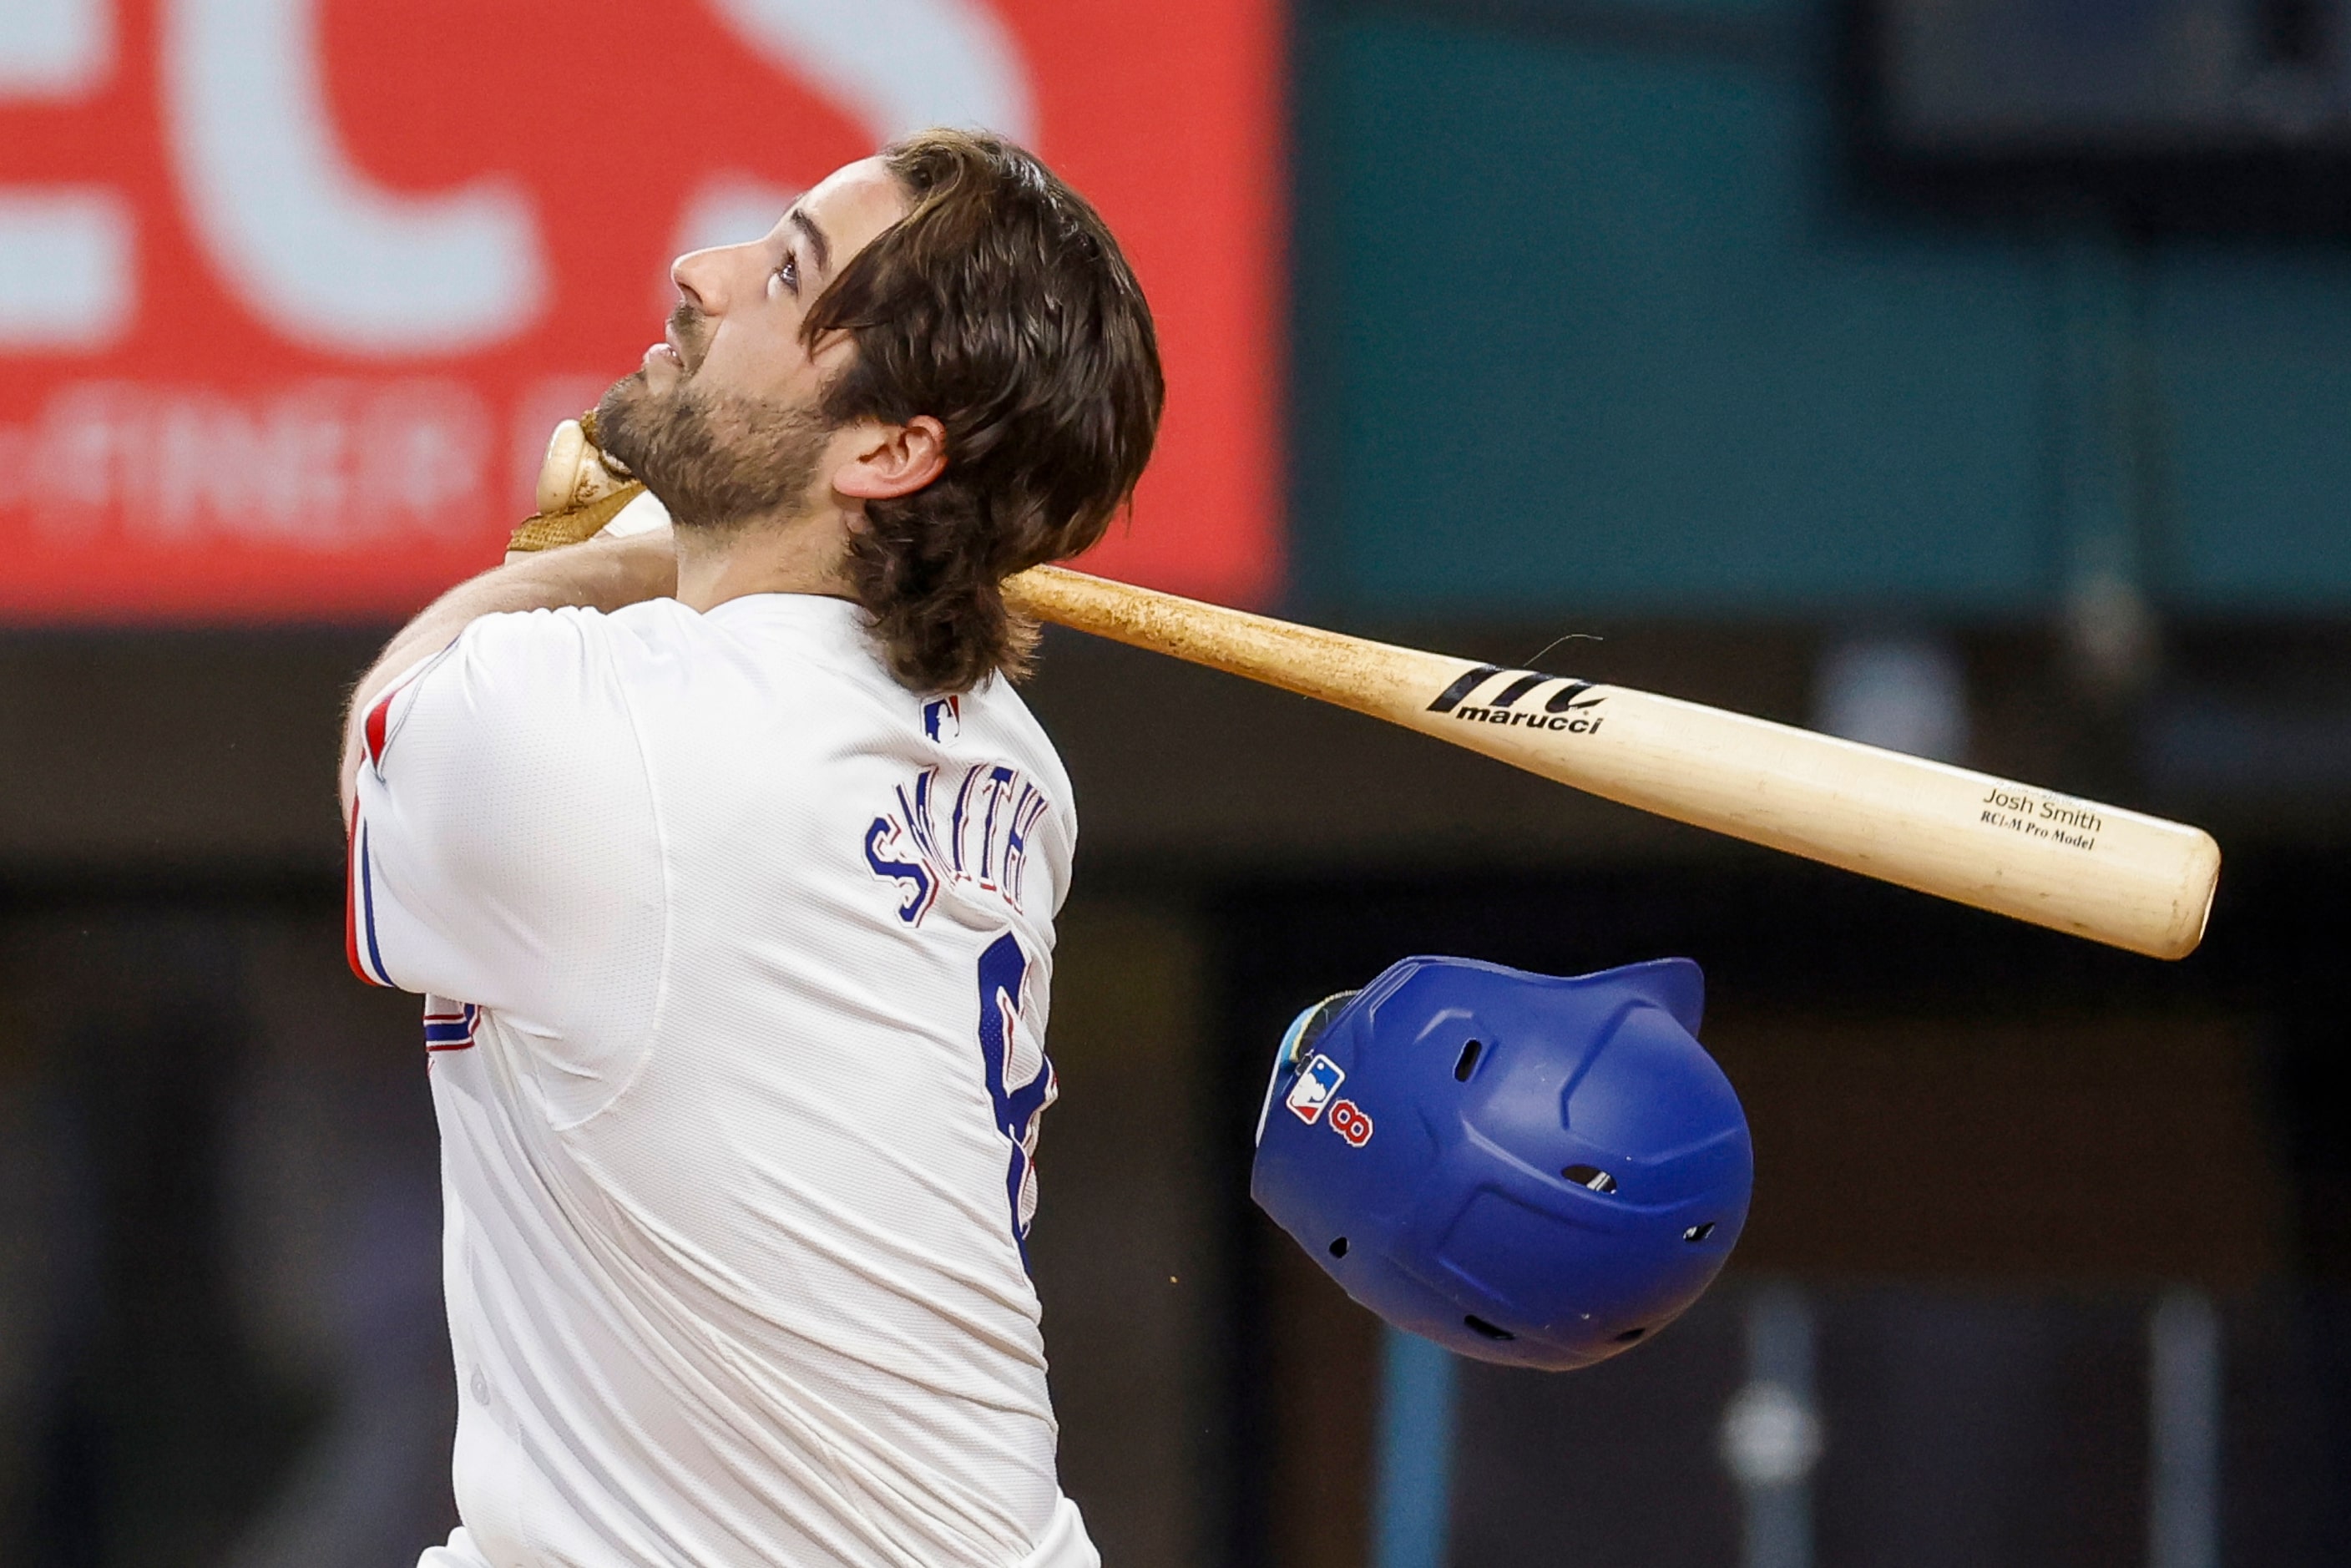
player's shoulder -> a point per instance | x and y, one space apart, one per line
798 670
497 667
521 645
661 649
519 683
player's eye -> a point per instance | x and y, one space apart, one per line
788 273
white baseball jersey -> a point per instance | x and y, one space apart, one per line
735 954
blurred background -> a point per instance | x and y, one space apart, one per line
1965 376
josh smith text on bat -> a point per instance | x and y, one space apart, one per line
727 862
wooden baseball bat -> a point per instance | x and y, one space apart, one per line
2100 871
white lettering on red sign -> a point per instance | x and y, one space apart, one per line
325 466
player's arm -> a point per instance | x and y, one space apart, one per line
602 574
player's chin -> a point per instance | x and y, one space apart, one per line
631 390
627 405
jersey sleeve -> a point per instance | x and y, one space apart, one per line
503 847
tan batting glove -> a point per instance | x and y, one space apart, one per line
580 490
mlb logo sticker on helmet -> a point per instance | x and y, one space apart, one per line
1315 1085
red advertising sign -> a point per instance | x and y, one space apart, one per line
291 291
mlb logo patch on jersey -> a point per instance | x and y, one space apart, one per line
1316 1084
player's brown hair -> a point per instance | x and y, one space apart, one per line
1001 307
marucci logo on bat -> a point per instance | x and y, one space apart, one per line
1566 710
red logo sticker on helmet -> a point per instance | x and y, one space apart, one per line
1347 1119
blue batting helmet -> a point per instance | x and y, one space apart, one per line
1527 1169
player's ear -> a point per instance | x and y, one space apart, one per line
892 460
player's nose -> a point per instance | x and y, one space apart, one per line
700 277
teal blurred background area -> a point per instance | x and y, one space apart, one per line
1594 315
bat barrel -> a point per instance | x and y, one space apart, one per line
2113 876
2096 871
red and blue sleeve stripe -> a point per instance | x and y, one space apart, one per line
361 948
451 1031
375 728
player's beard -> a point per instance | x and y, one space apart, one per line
715 461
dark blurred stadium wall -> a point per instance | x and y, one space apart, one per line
1593 337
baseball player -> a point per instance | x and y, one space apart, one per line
726 859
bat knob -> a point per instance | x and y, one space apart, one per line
580 490
576 472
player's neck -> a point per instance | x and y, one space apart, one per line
802 555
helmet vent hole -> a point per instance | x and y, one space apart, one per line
1339 1247
1479 1325
1629 1335
1698 1233
1469 1063
1592 1177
